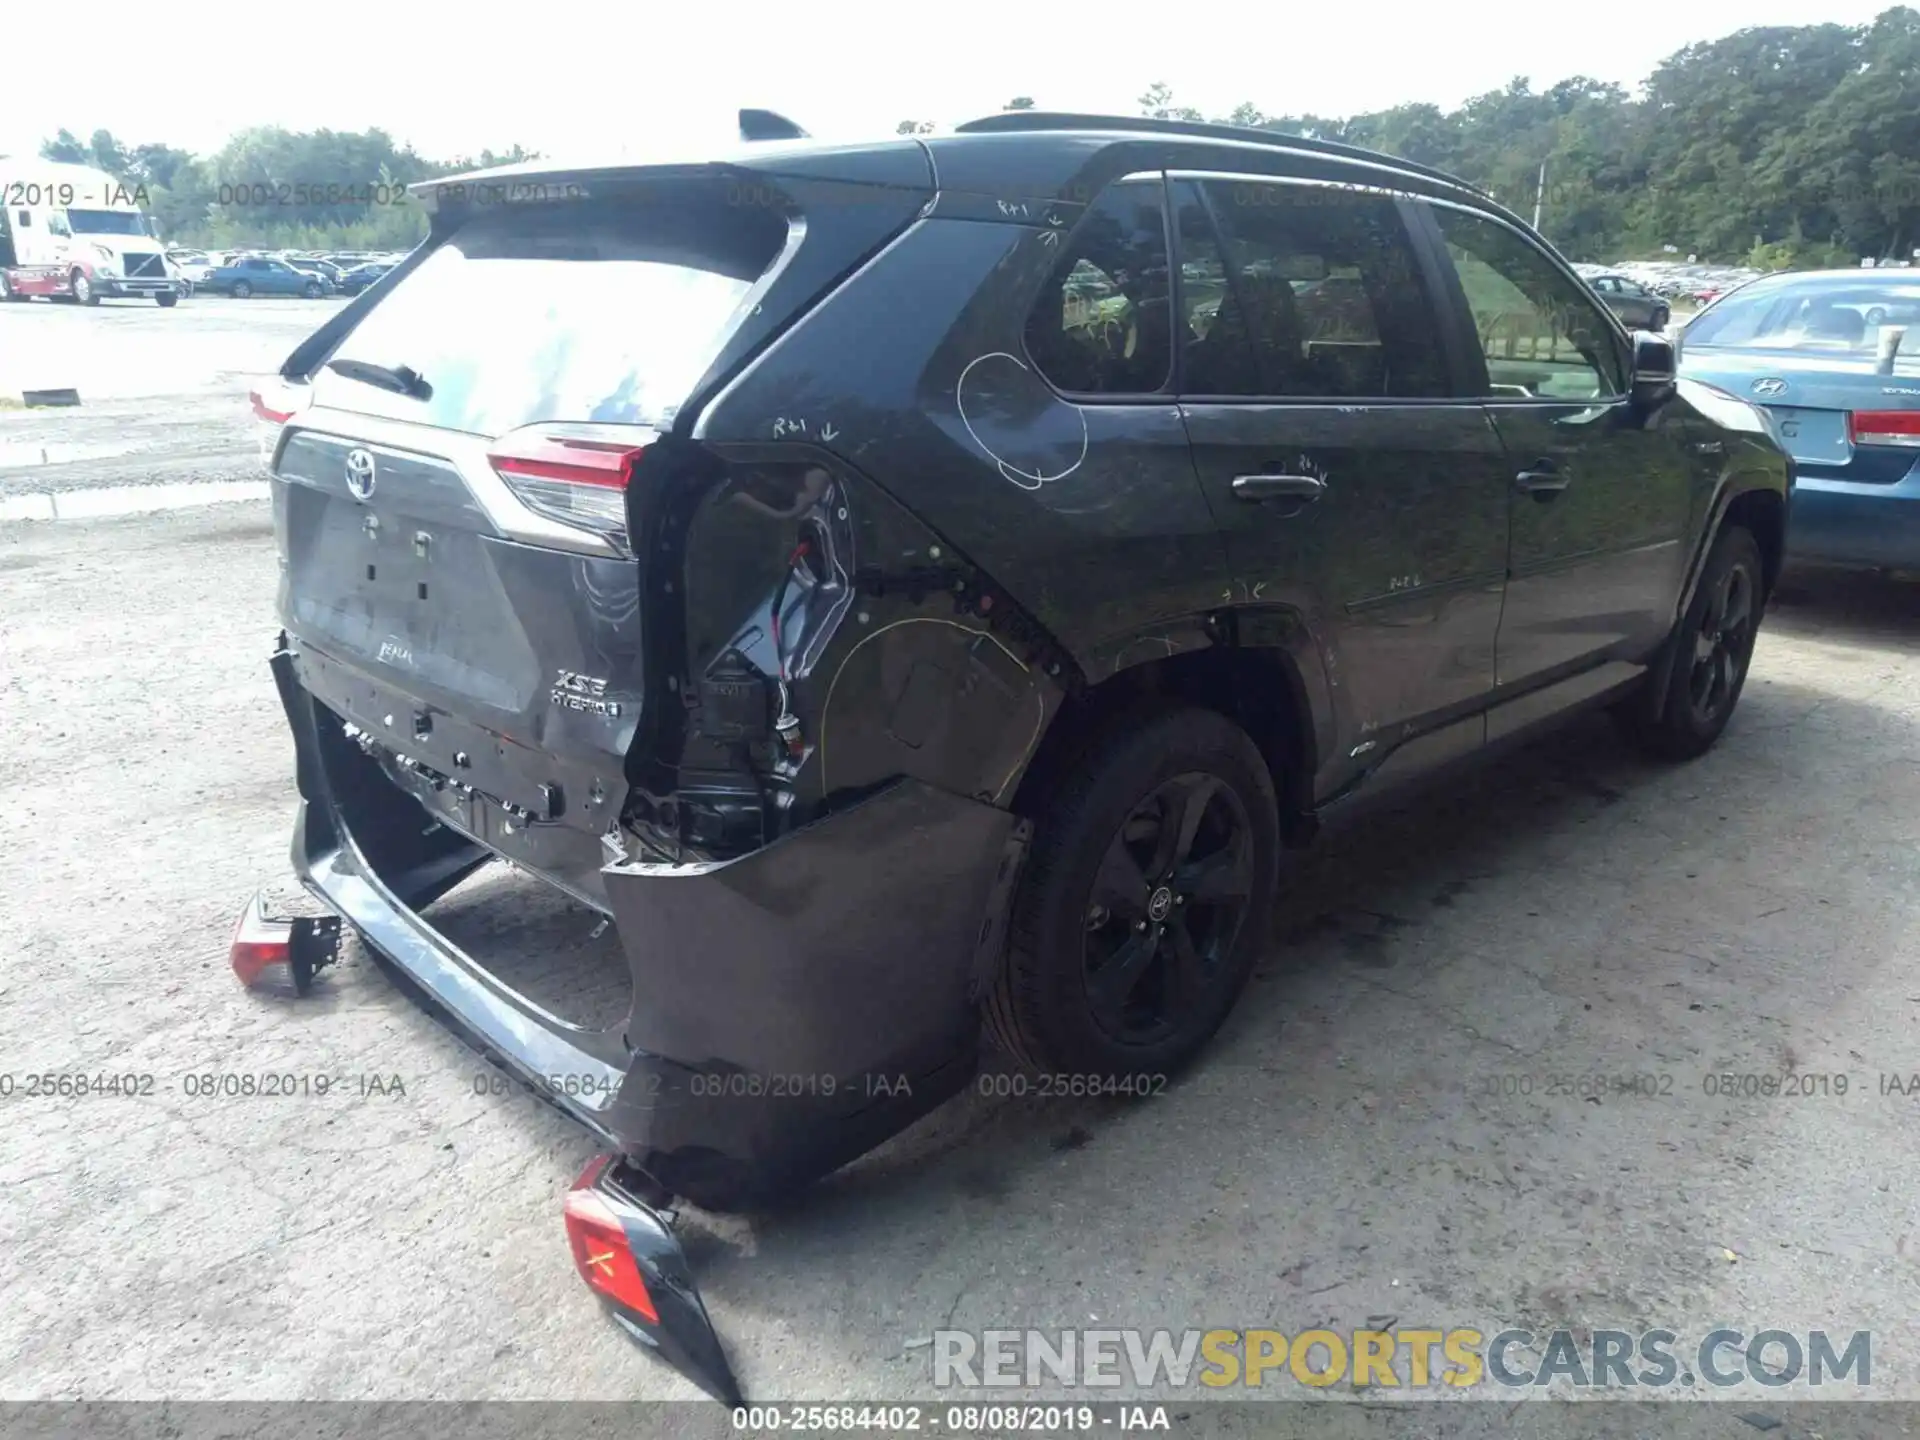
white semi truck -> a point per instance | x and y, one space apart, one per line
73 232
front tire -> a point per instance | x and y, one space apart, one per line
166 302
242 290
1146 899
1715 643
312 292
82 287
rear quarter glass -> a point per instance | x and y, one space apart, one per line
599 310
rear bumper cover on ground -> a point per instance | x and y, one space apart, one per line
793 1008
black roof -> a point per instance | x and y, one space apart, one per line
1049 152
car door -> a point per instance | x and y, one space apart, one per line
1353 482
1599 496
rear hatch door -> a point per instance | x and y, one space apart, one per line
462 457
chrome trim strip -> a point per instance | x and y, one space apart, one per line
1312 181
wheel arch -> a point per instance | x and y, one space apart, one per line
1258 687
1762 511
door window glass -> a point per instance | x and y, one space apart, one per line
1321 284
1541 336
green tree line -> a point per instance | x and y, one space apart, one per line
274 188
1779 145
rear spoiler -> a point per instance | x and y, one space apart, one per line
768 125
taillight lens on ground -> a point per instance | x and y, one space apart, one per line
600 1249
262 950
576 474
1884 427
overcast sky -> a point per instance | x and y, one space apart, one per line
578 76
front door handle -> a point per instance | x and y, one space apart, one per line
1256 488
1543 482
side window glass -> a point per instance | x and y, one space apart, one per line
26 219
1324 284
1102 324
1216 357
1542 337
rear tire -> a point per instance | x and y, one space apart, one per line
1146 899
242 290
1715 643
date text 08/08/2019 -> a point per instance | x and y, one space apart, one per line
960 1419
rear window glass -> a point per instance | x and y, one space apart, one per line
1814 318
603 310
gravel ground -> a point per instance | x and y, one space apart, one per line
1356 1145
163 391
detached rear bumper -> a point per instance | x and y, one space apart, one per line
792 1008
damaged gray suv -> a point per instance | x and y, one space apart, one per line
920 589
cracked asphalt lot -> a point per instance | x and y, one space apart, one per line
1391 1124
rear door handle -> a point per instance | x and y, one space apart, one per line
1278 487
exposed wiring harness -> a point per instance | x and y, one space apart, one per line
787 725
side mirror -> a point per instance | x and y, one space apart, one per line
1654 369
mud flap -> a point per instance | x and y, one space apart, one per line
679 1331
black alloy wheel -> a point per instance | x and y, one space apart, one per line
1167 906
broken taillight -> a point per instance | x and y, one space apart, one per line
1884 427
279 953
259 945
263 411
601 1250
576 474
274 403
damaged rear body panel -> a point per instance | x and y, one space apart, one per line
563 586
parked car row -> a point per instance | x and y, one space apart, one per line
1677 281
246 273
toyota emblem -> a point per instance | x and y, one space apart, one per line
1772 385
360 474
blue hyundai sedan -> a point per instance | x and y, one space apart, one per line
1833 357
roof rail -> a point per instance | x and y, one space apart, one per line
1012 120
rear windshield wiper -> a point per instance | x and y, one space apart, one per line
401 379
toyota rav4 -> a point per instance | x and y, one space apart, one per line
923 588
